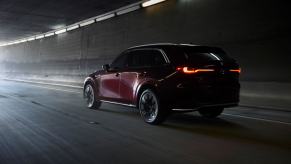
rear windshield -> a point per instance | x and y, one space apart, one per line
197 55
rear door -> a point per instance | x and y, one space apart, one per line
143 64
128 81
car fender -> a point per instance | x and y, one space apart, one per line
149 83
90 79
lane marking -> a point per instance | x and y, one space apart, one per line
36 82
265 108
57 89
259 119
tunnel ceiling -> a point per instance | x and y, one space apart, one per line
24 18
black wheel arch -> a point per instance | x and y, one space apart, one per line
87 81
144 87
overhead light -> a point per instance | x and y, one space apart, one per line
72 28
16 42
127 10
39 37
105 17
151 2
61 31
87 23
49 34
7 44
31 39
23 40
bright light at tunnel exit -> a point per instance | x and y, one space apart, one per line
151 2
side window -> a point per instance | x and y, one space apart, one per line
146 58
120 62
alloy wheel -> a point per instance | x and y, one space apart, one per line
89 95
148 106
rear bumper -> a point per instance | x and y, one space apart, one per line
195 98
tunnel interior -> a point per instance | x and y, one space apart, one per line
48 48
256 34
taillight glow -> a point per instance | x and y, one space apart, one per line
235 70
189 70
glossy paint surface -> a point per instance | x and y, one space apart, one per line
109 86
175 87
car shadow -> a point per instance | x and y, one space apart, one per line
118 109
193 118
219 128
174 119
193 123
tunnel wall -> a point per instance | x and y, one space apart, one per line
256 33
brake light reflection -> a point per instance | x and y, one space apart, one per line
235 70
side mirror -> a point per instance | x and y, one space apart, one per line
105 67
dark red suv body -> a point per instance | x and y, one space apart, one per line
160 78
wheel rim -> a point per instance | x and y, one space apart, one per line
89 95
148 106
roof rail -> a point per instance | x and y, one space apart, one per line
152 44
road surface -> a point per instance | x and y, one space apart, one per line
43 124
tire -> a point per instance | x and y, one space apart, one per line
89 95
150 108
210 112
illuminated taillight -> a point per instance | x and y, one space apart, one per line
235 70
190 70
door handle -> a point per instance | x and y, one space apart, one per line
117 74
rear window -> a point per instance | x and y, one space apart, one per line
197 55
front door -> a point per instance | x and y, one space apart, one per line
109 81
109 86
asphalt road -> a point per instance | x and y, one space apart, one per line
42 124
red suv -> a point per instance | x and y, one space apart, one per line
161 78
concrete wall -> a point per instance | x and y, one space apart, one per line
256 33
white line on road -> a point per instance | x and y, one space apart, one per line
259 119
57 89
37 82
